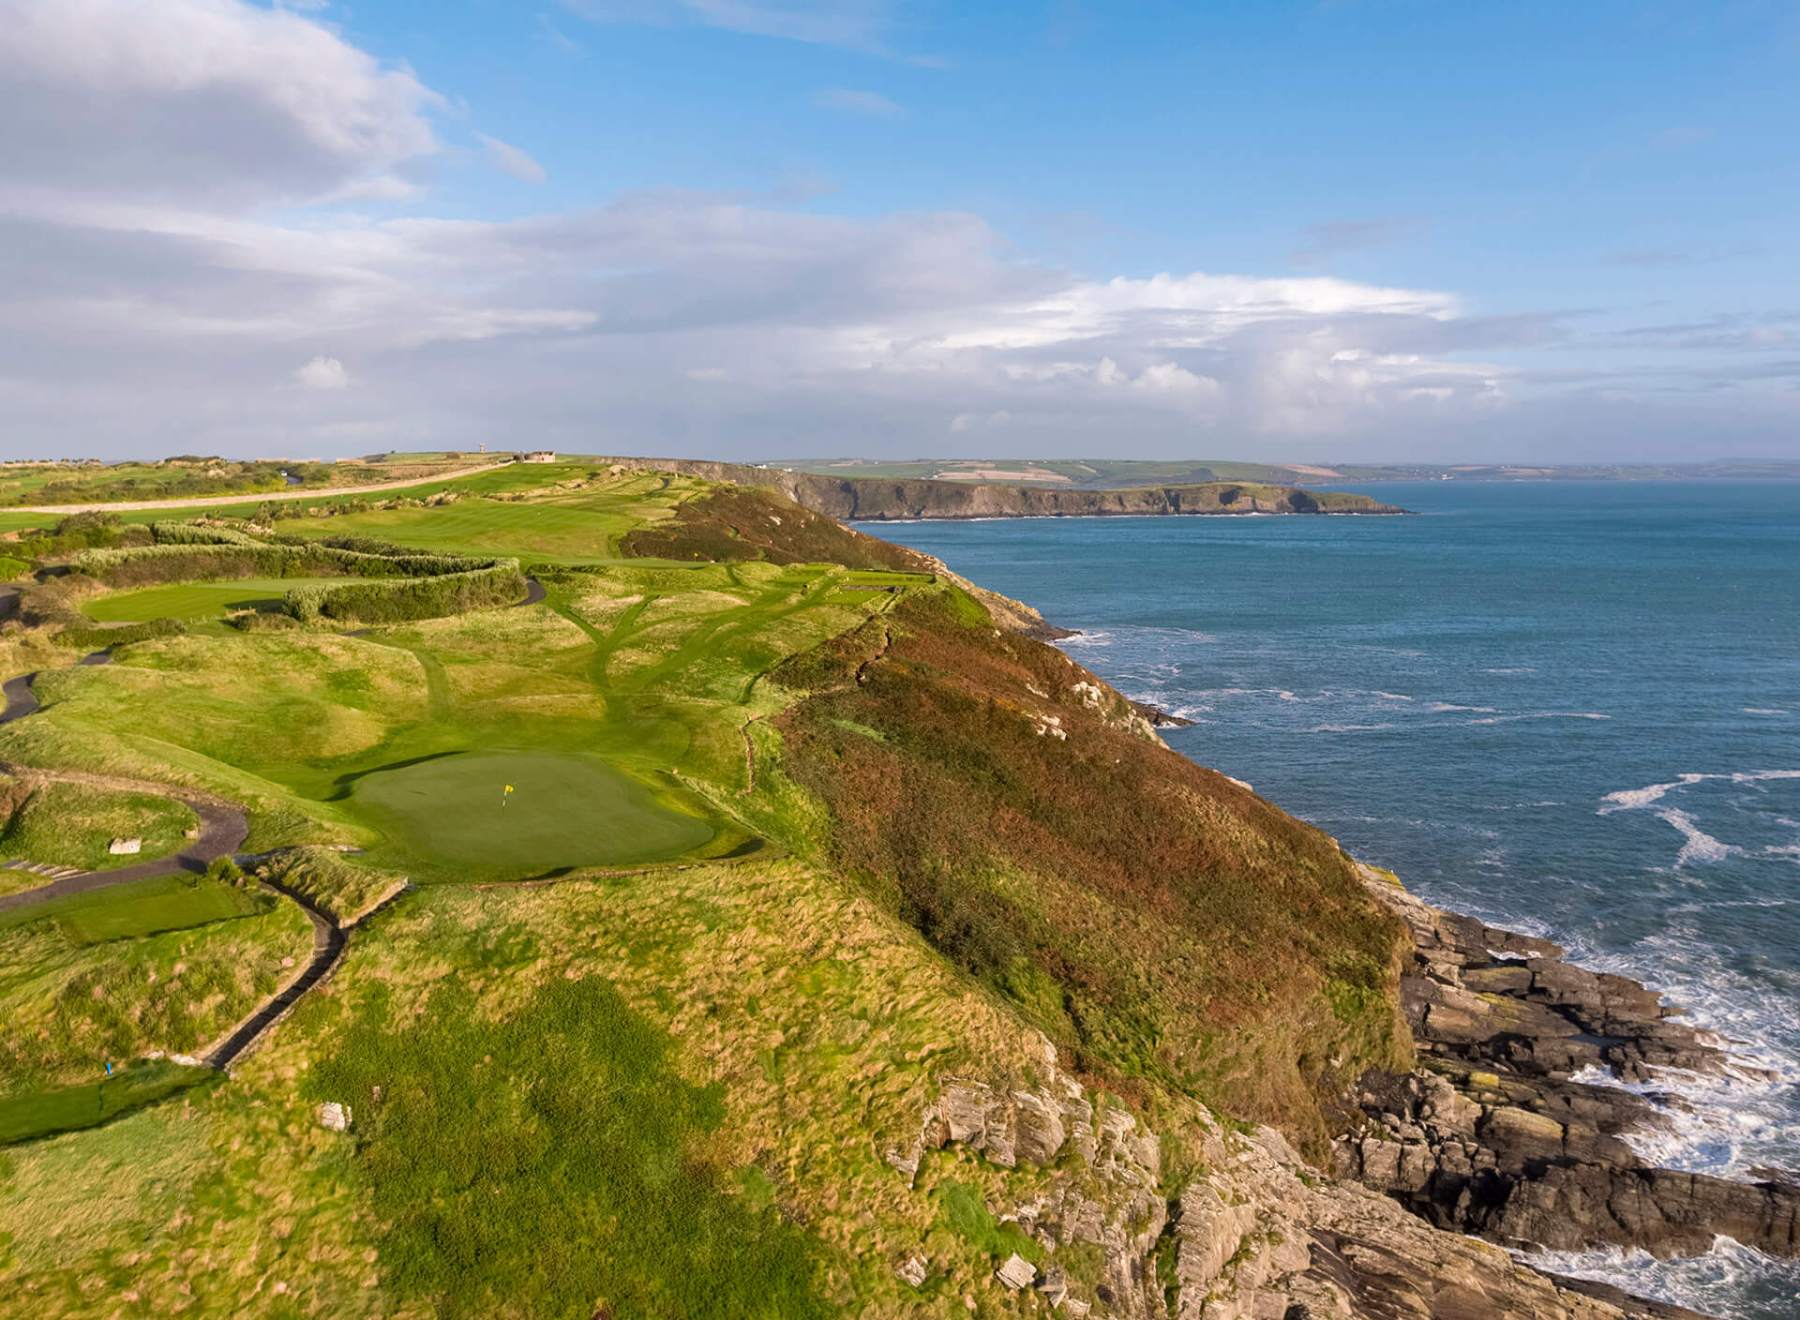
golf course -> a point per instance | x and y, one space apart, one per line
578 888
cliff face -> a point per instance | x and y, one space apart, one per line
876 499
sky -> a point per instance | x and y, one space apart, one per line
1328 231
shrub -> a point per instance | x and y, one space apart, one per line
194 533
92 638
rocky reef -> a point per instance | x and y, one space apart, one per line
1495 1133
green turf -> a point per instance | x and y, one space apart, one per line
565 810
197 600
67 1108
546 1165
138 908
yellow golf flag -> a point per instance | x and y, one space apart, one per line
509 788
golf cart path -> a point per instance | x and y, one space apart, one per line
219 501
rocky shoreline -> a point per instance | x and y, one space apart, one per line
1493 1135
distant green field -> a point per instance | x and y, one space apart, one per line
138 908
196 600
68 1108
564 810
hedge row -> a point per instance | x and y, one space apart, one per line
188 533
400 599
92 638
151 564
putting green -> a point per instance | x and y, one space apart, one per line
197 600
564 810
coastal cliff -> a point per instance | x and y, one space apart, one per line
875 499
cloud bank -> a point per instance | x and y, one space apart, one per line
178 272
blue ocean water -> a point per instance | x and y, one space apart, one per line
1568 708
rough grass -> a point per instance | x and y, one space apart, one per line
71 1005
546 1164
737 523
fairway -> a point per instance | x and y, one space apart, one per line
565 810
139 908
198 600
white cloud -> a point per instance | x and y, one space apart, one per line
200 102
510 160
873 104
323 373
150 294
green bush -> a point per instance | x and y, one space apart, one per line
189 533
91 638
11 568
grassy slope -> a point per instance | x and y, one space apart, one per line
725 1047
1160 922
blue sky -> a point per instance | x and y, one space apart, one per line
754 227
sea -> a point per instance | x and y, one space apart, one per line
1567 708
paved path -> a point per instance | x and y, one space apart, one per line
214 501
22 699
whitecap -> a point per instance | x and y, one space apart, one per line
1699 846
1721 1282
1348 728
1629 799
1763 710
1544 715
1449 707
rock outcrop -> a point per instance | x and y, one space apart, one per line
1495 1135
1253 1232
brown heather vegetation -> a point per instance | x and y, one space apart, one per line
1157 920
734 523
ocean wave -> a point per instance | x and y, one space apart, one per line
1512 669
1630 799
1699 846
1450 707
1544 715
1348 728
1763 710
1731 1281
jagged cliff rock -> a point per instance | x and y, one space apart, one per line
1252 1232
1495 1136
878 499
